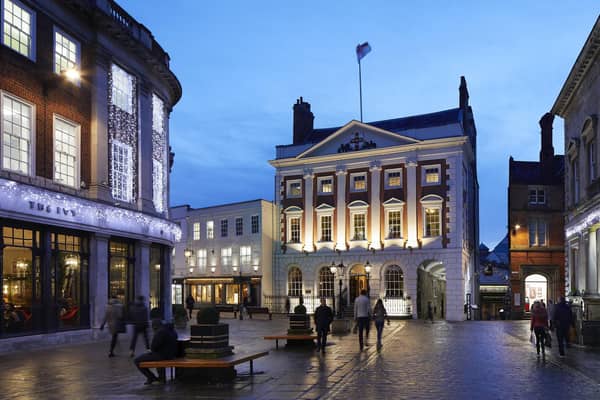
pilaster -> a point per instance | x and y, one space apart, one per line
340 230
308 210
375 202
411 203
98 270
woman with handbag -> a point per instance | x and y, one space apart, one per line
539 325
114 318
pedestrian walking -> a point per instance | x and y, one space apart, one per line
189 303
139 317
539 324
379 316
550 310
287 305
430 312
114 318
323 318
164 347
563 320
362 316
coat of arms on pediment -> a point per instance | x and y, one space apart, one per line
357 143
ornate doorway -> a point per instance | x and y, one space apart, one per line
358 282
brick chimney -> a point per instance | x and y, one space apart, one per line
303 121
547 151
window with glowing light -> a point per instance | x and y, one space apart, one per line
294 188
66 52
196 231
325 185
122 179
210 229
359 226
226 256
294 230
122 89
18 28
202 260
394 282
325 223
158 185
245 255
432 221
17 126
358 182
295 282
393 178
326 282
394 224
66 152
431 175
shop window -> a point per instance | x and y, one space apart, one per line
121 272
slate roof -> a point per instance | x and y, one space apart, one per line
530 172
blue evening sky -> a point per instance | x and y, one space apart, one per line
242 65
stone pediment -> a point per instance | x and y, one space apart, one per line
356 137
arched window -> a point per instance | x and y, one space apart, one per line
295 282
394 282
325 282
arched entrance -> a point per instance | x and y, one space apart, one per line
431 289
536 289
358 281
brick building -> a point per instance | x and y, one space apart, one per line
535 218
85 94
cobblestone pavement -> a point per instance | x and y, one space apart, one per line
468 360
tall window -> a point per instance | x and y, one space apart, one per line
18 28
326 282
224 227
66 52
393 178
432 221
226 256
239 226
122 180
202 259
431 175
359 227
159 153
537 196
394 282
591 159
295 282
358 182
255 224
210 229
245 255
325 228
394 224
294 230
66 152
575 180
158 185
17 122
537 232
122 89
196 231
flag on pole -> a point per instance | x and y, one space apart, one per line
362 50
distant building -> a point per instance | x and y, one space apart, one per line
494 274
579 104
222 249
390 207
85 94
535 218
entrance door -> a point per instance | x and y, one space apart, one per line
357 284
536 289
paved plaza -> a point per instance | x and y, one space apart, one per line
419 360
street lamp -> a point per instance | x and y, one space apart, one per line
235 268
368 271
334 268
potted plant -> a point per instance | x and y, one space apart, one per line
179 316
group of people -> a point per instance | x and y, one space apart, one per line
363 315
557 317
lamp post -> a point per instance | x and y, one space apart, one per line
334 268
368 271
240 292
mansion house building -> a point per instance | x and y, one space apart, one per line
390 207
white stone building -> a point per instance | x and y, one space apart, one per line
391 205
223 249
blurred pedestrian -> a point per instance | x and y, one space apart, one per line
550 310
189 303
323 318
287 305
164 347
379 316
113 316
564 320
362 316
139 317
539 324
430 312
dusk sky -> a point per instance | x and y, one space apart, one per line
243 64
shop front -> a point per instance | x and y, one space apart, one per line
218 290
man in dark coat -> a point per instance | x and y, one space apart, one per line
323 317
139 318
189 303
563 318
164 347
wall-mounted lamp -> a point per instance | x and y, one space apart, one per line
187 253
515 229
255 268
368 267
213 269
157 267
191 269
72 74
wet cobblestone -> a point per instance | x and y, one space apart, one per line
468 360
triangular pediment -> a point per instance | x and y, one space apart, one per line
356 137
393 202
324 207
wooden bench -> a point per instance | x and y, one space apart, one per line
225 362
258 310
276 338
221 308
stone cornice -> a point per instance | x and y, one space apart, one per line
578 72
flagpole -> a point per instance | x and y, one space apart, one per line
360 90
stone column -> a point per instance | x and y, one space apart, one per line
98 273
308 211
375 201
411 203
410 282
142 269
145 160
591 276
165 279
340 229
98 185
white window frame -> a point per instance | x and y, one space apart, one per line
534 198
320 181
117 93
224 224
127 174
196 231
387 178
210 229
424 169
226 256
320 223
358 208
295 286
245 255
533 226
432 202
76 64
255 222
239 223
202 256
352 182
77 136
31 150
288 190
32 34
291 213
393 205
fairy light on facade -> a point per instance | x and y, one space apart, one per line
158 153
590 219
